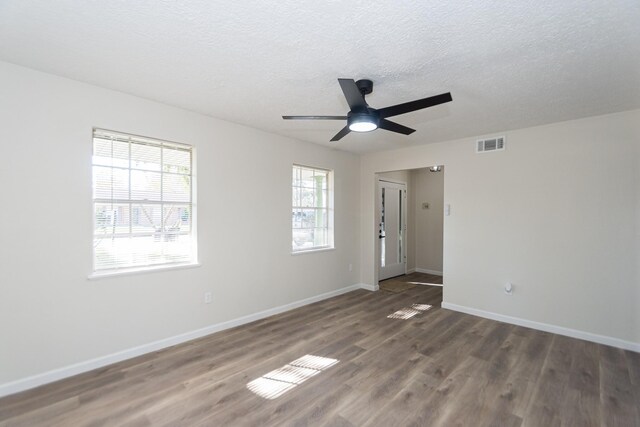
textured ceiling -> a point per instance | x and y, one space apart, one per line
507 64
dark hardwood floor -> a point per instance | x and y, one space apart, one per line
424 366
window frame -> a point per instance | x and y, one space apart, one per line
192 260
329 211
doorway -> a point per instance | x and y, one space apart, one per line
409 236
392 228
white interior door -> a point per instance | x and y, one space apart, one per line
392 199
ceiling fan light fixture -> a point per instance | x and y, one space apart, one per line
362 123
363 126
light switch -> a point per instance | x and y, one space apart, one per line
447 210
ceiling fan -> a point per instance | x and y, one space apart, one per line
362 118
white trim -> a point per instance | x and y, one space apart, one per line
311 251
367 287
140 270
426 271
560 330
99 362
392 181
411 270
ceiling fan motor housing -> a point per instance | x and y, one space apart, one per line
365 86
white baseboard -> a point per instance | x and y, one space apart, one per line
424 270
99 362
367 287
411 270
560 330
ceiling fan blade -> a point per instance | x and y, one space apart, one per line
345 130
352 93
395 127
314 117
419 104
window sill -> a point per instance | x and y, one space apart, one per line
311 251
141 270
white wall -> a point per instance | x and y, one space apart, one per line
428 187
52 316
557 213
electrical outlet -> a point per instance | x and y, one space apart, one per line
350 267
208 298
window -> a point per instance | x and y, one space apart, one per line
312 211
142 202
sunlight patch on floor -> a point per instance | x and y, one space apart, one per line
408 312
277 382
426 284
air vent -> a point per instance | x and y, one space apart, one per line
490 144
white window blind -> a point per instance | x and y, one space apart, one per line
143 202
312 212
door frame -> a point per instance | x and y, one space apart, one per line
403 219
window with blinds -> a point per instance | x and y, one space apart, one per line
142 202
312 212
